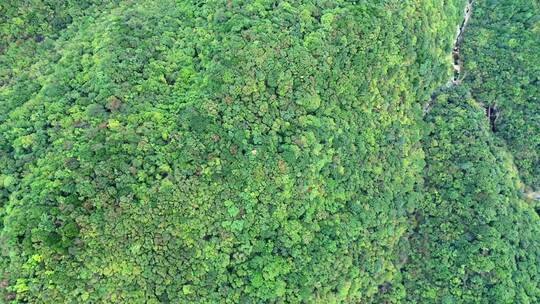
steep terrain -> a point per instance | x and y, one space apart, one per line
475 240
252 152
265 152
500 52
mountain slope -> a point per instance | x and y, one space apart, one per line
475 240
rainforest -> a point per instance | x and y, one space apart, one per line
265 151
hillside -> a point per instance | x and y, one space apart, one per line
268 152
474 239
502 63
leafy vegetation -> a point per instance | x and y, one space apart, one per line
503 69
475 240
250 152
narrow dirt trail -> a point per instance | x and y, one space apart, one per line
457 65
457 77
532 195
457 62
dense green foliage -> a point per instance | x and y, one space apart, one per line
475 240
252 152
502 62
37 19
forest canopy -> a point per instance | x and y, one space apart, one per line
269 152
